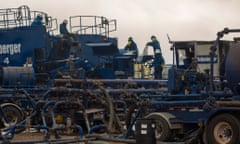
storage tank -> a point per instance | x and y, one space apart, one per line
18 77
232 68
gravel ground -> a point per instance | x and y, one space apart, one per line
26 137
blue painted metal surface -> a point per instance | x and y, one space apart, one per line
18 44
232 68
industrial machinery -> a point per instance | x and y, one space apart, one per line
184 52
66 85
206 116
86 84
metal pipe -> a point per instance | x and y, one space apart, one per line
229 103
109 90
43 115
177 103
110 80
80 131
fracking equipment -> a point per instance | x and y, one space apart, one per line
89 85
191 119
55 84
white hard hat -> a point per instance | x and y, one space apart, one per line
157 51
65 21
39 15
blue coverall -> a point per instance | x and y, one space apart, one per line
63 29
37 21
155 44
132 46
158 64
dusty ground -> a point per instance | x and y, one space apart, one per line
38 138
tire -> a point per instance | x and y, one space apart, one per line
223 129
14 115
162 130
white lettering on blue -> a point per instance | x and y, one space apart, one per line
6 60
206 59
10 49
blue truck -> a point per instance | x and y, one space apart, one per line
52 83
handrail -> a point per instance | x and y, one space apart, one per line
98 25
23 16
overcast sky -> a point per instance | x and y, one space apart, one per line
181 19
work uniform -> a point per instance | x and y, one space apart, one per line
158 64
155 44
37 21
132 46
63 29
66 35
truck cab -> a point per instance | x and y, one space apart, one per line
186 52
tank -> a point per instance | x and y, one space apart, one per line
232 68
18 76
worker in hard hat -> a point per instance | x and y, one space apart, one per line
158 61
66 34
158 64
63 27
131 47
154 43
37 21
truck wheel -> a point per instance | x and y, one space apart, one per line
162 130
223 129
13 114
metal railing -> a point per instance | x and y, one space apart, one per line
98 25
23 16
